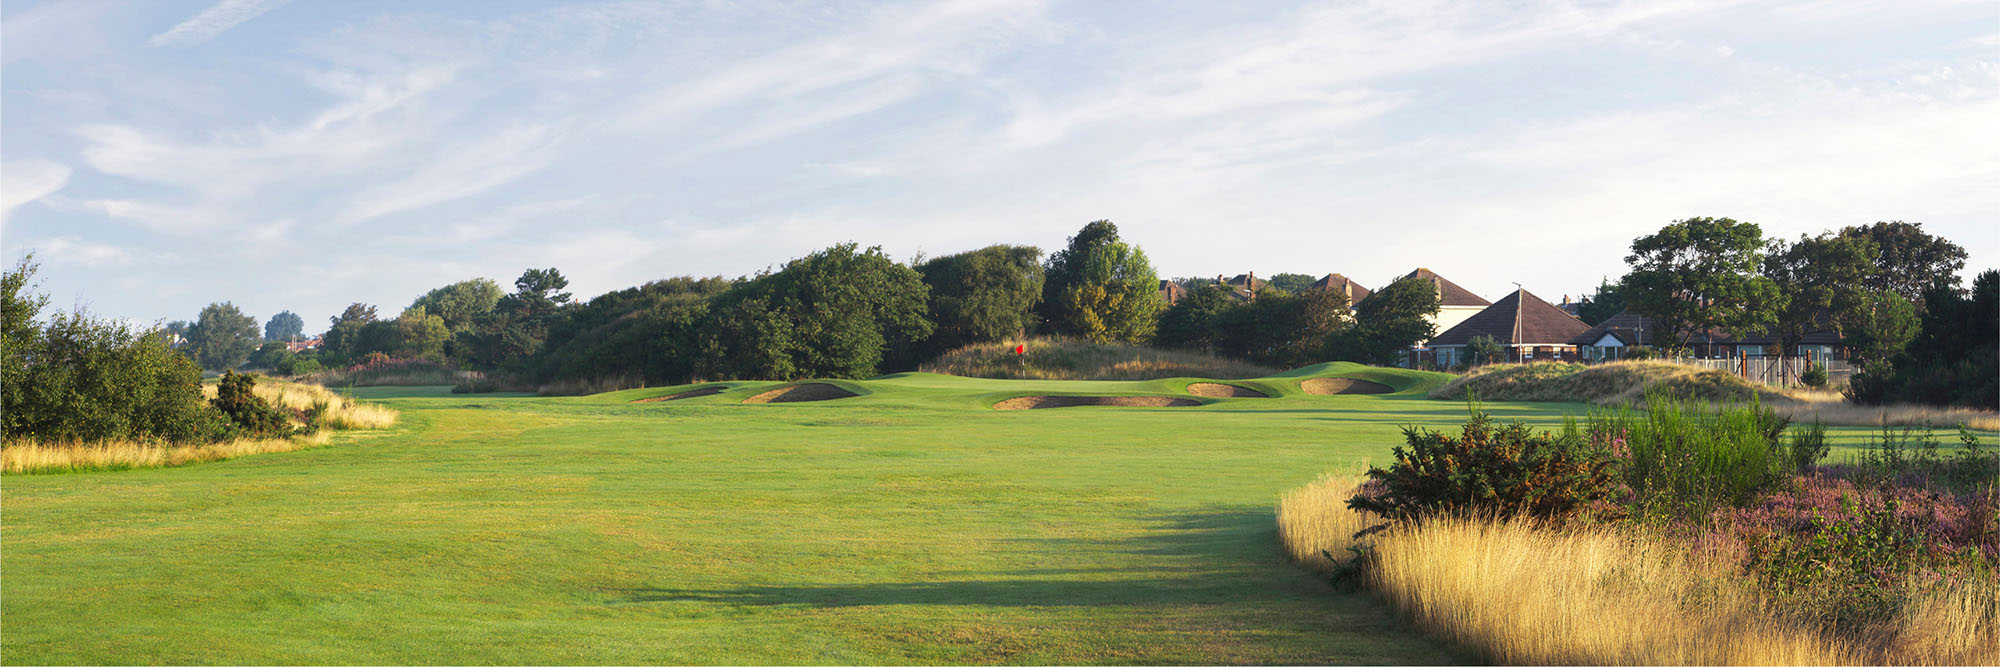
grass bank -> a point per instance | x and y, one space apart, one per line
1065 359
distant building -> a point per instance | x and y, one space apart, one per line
302 345
1172 292
1529 328
1455 304
1610 340
1339 283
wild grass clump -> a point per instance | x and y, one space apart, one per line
31 457
1064 359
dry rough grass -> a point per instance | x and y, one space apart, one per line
1520 594
1061 359
1040 402
342 413
1220 390
1332 386
1628 382
36 457
798 393
692 393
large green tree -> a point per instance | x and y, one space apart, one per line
421 335
1389 322
222 337
1698 275
1194 322
1823 284
645 333
343 339
1602 304
1908 259
1953 359
1101 288
841 312
982 295
285 325
462 303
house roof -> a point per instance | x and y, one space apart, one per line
1172 292
1519 319
1627 326
1634 329
1243 281
1449 293
1339 283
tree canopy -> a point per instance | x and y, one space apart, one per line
285 325
982 295
1102 289
1907 259
462 303
222 337
1389 322
1823 284
835 313
1698 275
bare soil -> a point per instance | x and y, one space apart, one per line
809 391
691 393
1331 386
1039 402
1220 390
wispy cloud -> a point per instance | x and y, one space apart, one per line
213 21
24 181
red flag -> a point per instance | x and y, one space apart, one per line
1020 349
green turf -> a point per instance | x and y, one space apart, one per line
911 524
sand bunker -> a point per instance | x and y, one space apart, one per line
1039 402
1220 390
810 391
1330 386
691 393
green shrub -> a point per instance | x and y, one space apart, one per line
1688 458
251 414
1807 446
1814 376
1507 471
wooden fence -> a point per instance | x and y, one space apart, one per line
1779 371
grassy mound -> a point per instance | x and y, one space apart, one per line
1059 359
1605 384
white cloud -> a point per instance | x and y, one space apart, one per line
213 21
28 180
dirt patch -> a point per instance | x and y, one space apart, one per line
810 391
1220 390
691 393
1331 386
1039 402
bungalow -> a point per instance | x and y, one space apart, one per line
1455 304
1529 328
1609 339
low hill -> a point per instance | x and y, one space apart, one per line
1060 359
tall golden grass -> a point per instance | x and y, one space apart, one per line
1627 382
1521 594
342 413
1066 359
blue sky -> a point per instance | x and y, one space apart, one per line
158 156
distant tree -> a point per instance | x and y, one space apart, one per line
223 337
421 335
1193 323
343 339
1102 289
177 328
1602 304
1953 358
285 325
1907 259
272 355
648 331
462 303
1823 282
1293 283
840 312
513 334
1881 326
1389 322
20 338
1482 350
982 295
1700 274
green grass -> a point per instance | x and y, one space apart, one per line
908 525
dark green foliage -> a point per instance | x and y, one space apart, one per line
1482 350
1847 569
1684 458
223 337
1698 275
1506 471
1388 322
1822 280
251 414
271 356
982 295
1193 323
1283 330
512 335
1607 301
286 325
1101 289
836 313
646 332
1814 376
462 303
1907 260
1807 446
1954 358
1293 283
343 336
79 379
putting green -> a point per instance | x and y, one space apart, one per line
910 523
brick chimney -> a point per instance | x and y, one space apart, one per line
1251 285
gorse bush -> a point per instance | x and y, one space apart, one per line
1506 470
237 400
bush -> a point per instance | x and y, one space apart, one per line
251 415
1687 458
1814 376
1507 471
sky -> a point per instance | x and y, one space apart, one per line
302 155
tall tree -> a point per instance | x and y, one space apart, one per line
1602 304
1881 326
1823 282
285 325
1293 283
840 312
1389 322
1101 288
982 295
421 335
222 337
343 337
462 303
1907 259
1698 275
